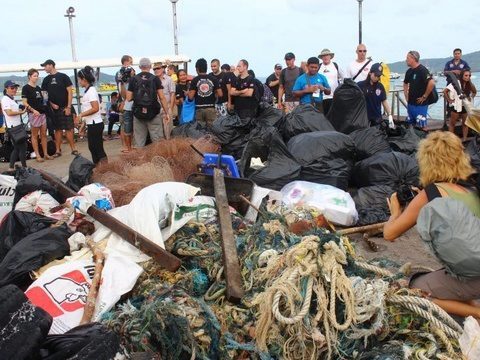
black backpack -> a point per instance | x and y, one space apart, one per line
145 100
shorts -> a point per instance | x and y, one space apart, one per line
37 121
62 121
441 285
221 109
417 115
128 122
463 111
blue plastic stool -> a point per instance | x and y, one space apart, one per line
227 164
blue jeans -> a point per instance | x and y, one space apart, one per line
128 122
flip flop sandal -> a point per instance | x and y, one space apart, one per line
56 155
39 159
75 152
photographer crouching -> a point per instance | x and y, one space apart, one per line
447 215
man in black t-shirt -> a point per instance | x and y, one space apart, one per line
417 86
245 99
229 78
58 89
145 89
222 102
205 89
273 81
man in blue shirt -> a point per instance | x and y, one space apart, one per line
375 96
311 86
456 65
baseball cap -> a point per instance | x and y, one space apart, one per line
377 69
278 66
144 63
48 62
289 56
10 83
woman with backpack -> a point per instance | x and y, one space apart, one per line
444 173
90 115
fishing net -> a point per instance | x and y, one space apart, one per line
166 160
307 296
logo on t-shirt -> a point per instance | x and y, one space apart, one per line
205 87
54 81
378 92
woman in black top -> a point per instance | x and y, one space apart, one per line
33 100
181 90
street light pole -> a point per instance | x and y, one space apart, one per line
175 30
360 21
70 15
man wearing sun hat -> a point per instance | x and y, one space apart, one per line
333 73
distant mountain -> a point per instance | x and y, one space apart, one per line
22 80
438 64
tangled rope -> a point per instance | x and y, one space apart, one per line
429 311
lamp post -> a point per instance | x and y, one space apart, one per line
360 21
70 14
175 30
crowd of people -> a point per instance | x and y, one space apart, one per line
147 105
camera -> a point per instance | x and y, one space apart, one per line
21 107
125 73
405 194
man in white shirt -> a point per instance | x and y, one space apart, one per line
334 75
159 70
358 70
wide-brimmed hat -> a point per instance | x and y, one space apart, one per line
326 52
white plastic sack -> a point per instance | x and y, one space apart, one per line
7 194
470 339
258 194
335 204
93 194
38 201
62 290
150 208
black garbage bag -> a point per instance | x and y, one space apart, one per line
269 116
280 167
6 149
473 150
191 130
303 119
349 110
91 341
371 203
403 139
30 180
392 169
23 326
326 157
79 173
369 142
31 253
17 225
231 132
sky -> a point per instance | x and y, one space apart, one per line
261 31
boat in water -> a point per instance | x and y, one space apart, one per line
394 76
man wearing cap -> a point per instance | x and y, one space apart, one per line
145 89
168 88
417 86
333 73
375 96
288 76
359 68
58 89
273 81
311 86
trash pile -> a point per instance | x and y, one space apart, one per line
127 260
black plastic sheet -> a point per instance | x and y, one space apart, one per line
303 119
79 173
369 142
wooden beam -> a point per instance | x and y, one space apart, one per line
231 266
163 257
361 229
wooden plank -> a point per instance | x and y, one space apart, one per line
163 257
231 266
361 229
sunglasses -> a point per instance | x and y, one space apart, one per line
156 68
362 50
12 87
467 75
